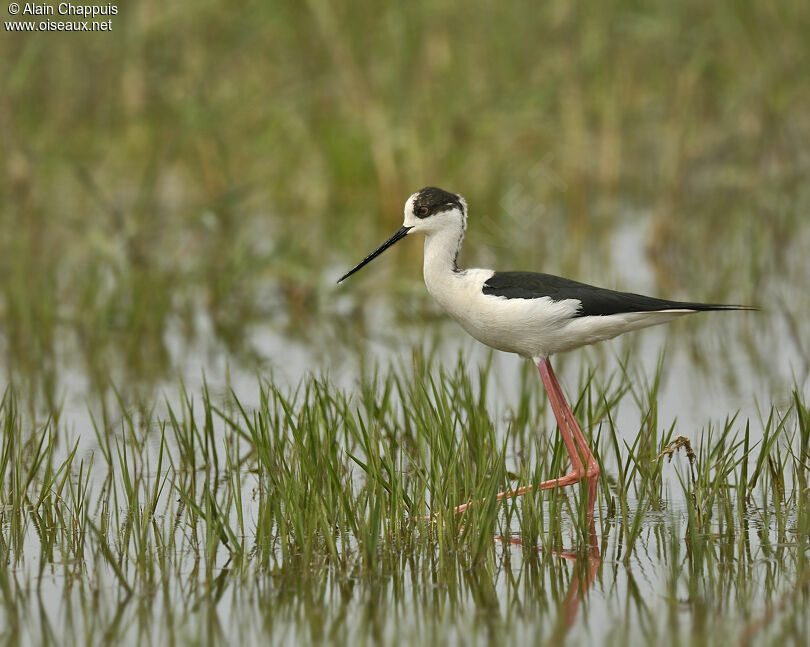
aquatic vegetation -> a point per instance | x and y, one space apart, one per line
326 513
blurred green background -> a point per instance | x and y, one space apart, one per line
208 169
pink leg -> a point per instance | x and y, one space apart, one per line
572 436
590 462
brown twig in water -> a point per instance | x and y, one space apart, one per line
675 445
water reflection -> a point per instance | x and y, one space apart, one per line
665 587
587 562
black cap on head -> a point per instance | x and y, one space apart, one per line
432 200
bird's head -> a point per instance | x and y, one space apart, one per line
431 210
428 211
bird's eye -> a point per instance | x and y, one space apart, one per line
422 211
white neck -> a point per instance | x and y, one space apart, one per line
441 251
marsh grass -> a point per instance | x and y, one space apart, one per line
332 504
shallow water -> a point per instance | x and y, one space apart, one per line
750 582
750 577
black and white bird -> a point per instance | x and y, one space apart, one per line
534 315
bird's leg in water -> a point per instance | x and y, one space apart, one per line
583 463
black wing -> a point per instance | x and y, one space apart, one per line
594 301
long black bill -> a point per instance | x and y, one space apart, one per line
401 233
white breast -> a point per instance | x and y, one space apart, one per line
528 327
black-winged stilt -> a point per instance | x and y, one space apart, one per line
533 315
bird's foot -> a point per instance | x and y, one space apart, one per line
589 473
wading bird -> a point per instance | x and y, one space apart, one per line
531 314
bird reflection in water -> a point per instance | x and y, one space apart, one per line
586 565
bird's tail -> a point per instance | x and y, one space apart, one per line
702 307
